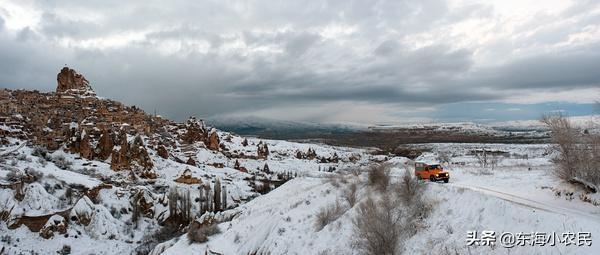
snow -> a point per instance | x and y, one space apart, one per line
518 194
515 197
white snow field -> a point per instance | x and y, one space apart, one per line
518 196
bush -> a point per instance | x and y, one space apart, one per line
164 233
329 214
198 233
349 194
35 173
378 226
40 152
66 249
14 176
42 161
336 179
381 224
409 188
61 162
379 176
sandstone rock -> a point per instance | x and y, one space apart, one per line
213 140
120 159
191 161
56 224
105 145
71 82
133 156
85 148
262 150
238 167
79 143
83 211
145 202
139 154
311 154
195 131
162 152
187 178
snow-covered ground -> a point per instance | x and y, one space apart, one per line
58 188
519 196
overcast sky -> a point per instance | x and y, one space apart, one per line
320 61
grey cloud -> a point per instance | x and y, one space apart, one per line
571 69
371 66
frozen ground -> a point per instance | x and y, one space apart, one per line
518 195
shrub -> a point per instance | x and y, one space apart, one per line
164 233
42 161
336 179
66 249
61 162
349 194
40 152
379 176
14 176
409 188
381 224
378 226
198 233
35 173
328 214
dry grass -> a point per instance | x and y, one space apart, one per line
329 214
349 194
378 226
379 176
386 218
198 233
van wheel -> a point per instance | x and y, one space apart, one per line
446 180
431 178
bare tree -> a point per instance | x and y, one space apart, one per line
482 157
577 154
564 139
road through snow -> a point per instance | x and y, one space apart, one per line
530 202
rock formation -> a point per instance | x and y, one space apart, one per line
132 156
187 178
191 161
56 223
71 82
105 145
162 152
213 140
262 150
195 131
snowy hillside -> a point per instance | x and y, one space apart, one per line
98 205
518 196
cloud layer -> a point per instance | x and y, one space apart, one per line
358 61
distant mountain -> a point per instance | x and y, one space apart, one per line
280 129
